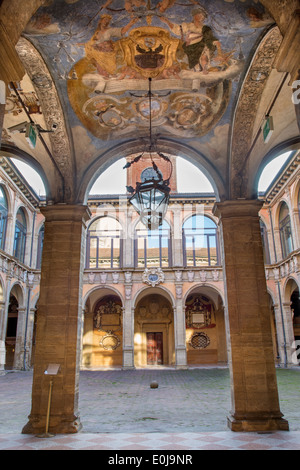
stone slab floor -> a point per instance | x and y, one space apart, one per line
117 401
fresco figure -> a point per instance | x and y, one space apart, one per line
199 42
101 49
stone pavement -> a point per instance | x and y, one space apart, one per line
119 410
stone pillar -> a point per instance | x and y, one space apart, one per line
2 335
255 402
179 325
2 105
20 338
128 335
59 319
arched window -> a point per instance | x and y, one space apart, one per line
3 217
285 230
20 235
104 244
200 242
265 243
299 203
40 247
153 247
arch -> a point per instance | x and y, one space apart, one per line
2 290
102 336
291 283
200 241
21 225
210 288
153 247
10 151
104 246
18 291
161 290
285 229
105 289
285 147
295 197
205 326
154 329
4 210
169 146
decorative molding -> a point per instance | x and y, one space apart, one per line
52 110
246 110
153 276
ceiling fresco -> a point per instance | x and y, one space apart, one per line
102 53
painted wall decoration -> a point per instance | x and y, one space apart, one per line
194 55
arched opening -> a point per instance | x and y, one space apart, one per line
20 235
104 244
154 342
152 248
265 242
11 330
205 327
285 230
200 242
102 341
295 308
3 217
40 244
15 303
32 176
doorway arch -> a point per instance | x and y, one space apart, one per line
154 339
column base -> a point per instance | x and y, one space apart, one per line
36 425
257 424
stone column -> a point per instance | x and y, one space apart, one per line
2 335
2 105
128 324
20 338
179 325
59 319
255 402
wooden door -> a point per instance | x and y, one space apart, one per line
154 348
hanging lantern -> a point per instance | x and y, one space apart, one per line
151 201
151 196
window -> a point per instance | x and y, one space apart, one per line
3 217
285 230
200 242
104 244
153 247
265 243
40 247
20 236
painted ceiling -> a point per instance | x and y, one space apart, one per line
101 54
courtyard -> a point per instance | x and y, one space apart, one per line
117 401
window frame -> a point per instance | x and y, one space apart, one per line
195 232
103 234
161 236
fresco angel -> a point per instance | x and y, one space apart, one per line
101 49
199 42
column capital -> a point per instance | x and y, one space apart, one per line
62 212
237 208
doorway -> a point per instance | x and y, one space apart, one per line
154 348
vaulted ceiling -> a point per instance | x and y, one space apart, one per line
217 69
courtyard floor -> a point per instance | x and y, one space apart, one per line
119 410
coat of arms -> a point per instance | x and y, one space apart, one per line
149 50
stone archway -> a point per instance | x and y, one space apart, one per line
154 342
205 327
102 337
